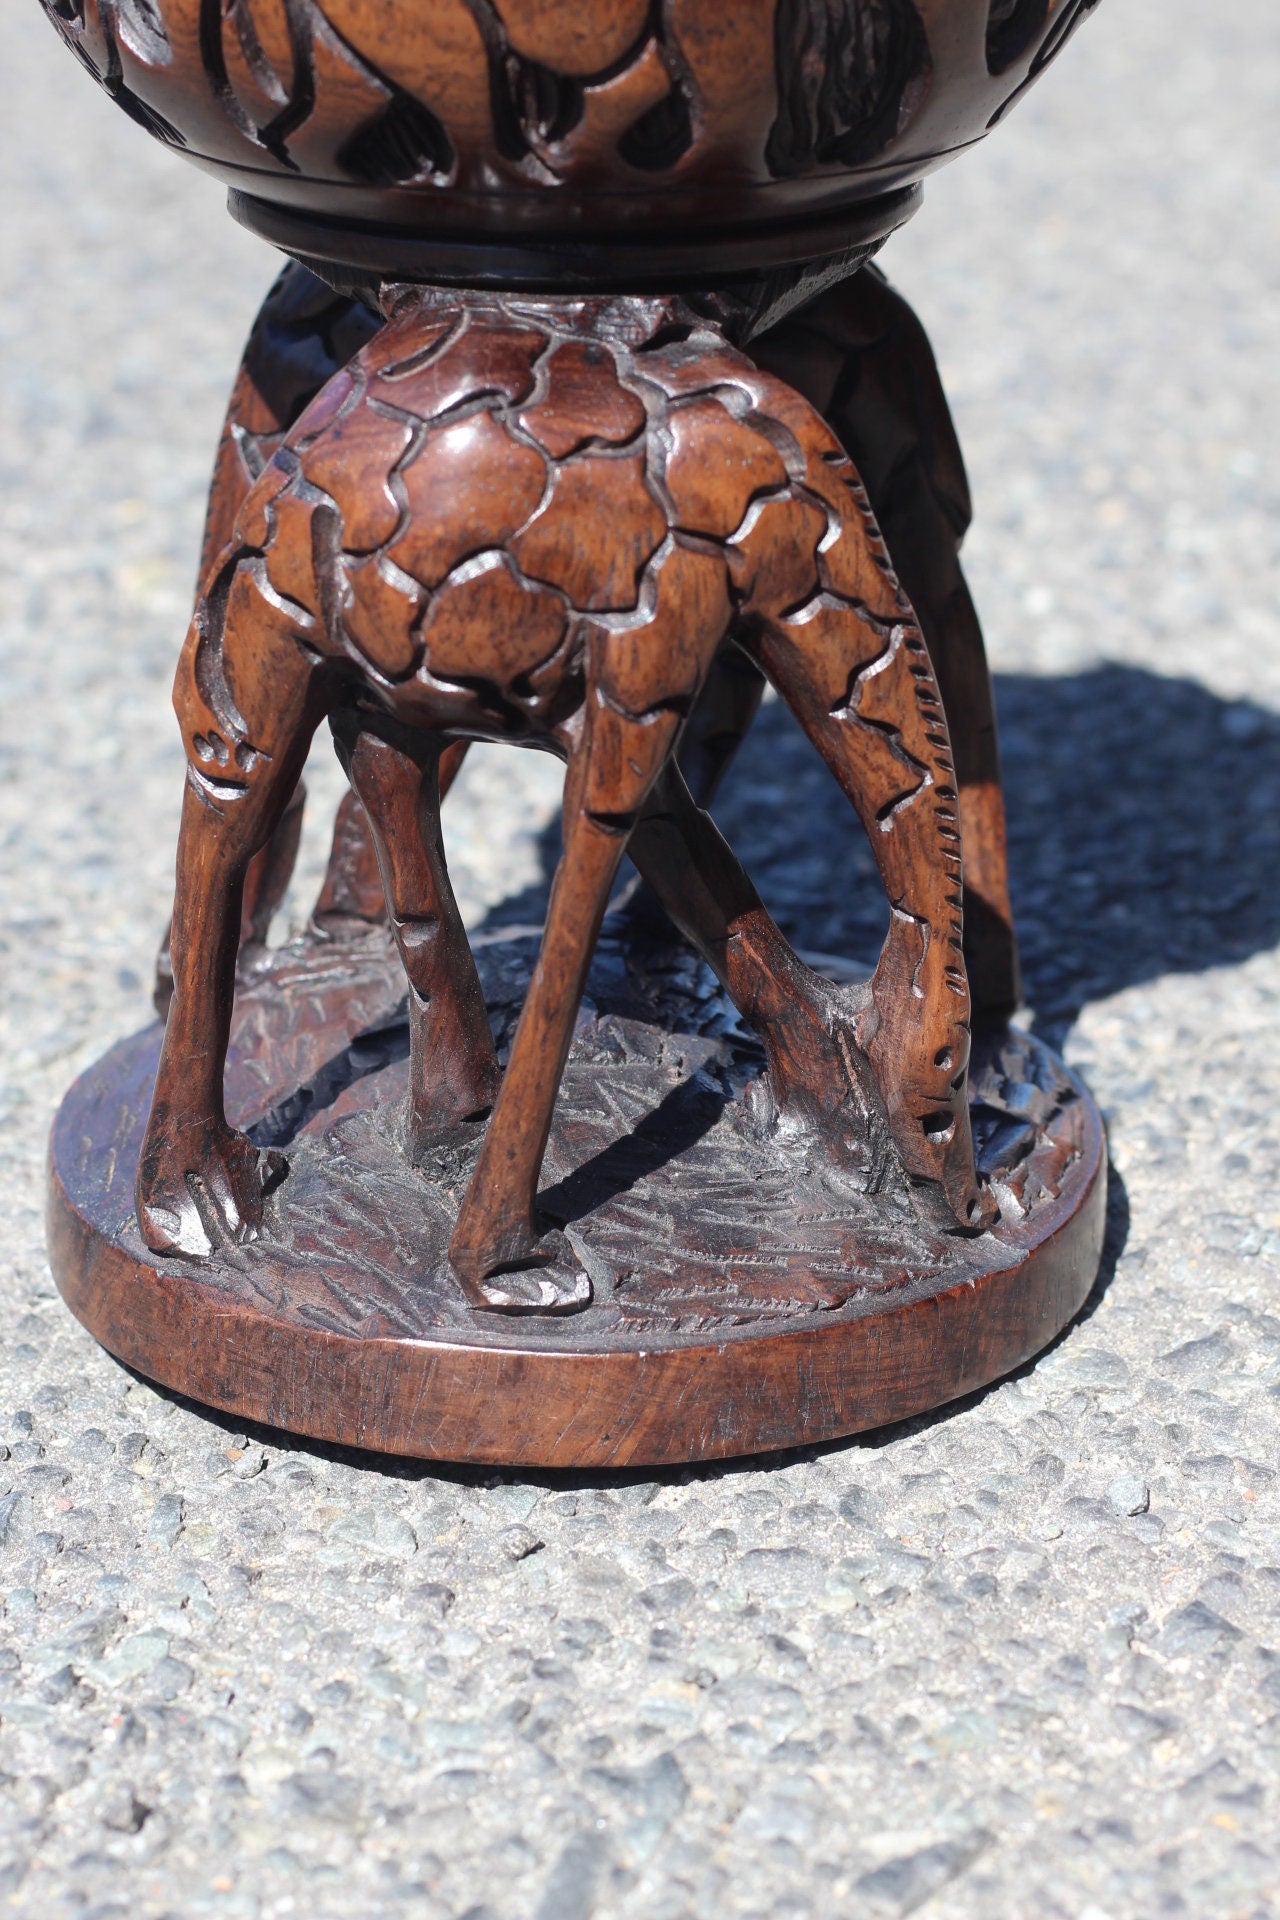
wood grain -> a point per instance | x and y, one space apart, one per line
503 119
716 1326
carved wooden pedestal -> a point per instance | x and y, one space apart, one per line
744 1294
595 420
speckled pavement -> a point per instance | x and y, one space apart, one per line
1021 1658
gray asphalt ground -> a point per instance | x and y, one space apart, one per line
1022 1658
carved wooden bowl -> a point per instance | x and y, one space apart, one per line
801 125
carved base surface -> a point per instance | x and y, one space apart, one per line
734 1290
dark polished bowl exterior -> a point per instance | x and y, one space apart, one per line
566 120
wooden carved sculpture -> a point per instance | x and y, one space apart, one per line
416 562
859 355
578 417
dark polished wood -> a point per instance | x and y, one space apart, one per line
859 354
541 522
592 419
742 1298
526 120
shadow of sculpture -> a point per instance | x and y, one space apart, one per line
1144 829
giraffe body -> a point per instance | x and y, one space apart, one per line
539 521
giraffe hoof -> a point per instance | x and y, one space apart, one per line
536 1276
190 1203
974 1206
961 1205
537 1290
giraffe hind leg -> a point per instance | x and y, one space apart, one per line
453 1069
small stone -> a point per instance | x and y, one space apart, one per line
10 1508
432 1598
59 1686
584 1635
385 1535
166 1520
47 1477
516 1503
1197 1630
1128 1494
134 1657
571 1888
519 1542
637 1493
170 1677
668 1596
1139 1725
1047 1470
123 1811
857 1507
1089 1367
903 1884
1208 1356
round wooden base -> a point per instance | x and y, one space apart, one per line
739 1293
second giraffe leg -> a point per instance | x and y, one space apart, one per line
803 1020
453 1069
198 1177
860 355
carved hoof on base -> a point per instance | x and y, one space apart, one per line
189 1210
547 1278
967 1210
536 1290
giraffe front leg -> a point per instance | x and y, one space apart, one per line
196 1175
498 1244
198 1179
869 705
303 334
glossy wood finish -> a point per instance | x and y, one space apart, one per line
741 1302
522 118
856 352
541 523
643 457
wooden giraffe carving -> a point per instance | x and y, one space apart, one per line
539 520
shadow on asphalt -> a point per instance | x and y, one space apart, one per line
1144 835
